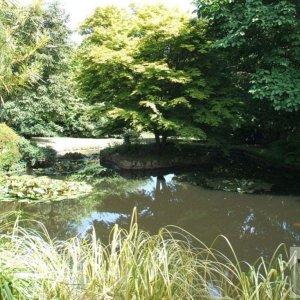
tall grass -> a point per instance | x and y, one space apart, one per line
135 265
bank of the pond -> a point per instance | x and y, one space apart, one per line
239 169
188 155
264 158
135 265
147 157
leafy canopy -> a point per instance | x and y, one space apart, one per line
17 47
49 106
144 68
262 40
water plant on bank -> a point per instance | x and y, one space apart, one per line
77 167
134 265
77 178
33 155
26 188
240 185
91 171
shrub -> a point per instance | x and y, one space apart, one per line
15 149
34 155
9 150
286 151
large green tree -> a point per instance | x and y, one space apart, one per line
51 105
262 40
18 47
144 69
260 43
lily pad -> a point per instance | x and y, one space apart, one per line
28 188
240 185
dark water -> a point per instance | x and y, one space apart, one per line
255 224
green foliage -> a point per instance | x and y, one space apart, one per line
50 109
51 106
172 148
33 155
76 168
16 150
18 66
261 39
92 172
279 85
145 69
134 149
286 152
258 44
9 150
39 189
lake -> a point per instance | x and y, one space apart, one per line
254 223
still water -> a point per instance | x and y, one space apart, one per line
255 224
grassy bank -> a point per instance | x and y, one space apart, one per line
135 265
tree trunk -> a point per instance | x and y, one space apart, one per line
163 141
160 141
127 139
1 109
157 141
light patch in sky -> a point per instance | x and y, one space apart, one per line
79 10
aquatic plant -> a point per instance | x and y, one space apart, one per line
28 188
134 265
240 185
91 171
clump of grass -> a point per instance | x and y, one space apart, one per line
135 265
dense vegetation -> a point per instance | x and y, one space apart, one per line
148 69
231 74
38 95
259 41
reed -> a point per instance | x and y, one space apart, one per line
134 265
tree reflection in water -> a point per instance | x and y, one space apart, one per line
255 224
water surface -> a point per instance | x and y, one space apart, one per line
255 224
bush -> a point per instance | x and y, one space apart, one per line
14 149
286 151
9 150
36 156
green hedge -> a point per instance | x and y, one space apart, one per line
9 150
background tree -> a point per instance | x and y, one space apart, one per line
263 40
50 106
144 68
260 41
17 66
